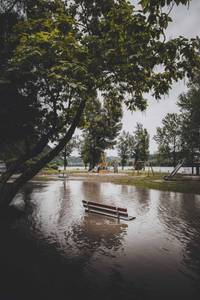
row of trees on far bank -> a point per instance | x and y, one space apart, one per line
102 125
179 136
133 146
102 133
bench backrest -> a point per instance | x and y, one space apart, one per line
105 208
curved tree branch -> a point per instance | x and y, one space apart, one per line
33 170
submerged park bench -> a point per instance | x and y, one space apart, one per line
107 210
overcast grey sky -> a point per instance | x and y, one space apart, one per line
185 22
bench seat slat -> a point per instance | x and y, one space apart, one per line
108 210
105 205
128 218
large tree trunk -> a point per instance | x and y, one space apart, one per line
8 191
91 161
91 165
197 170
37 149
7 213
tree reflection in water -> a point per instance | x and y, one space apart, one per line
99 233
180 214
57 249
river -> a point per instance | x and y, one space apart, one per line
57 251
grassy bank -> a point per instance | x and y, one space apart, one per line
179 184
50 171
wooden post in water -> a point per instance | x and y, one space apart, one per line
117 213
88 207
118 216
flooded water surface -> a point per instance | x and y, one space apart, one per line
57 251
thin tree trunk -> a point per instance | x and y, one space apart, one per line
30 172
192 162
65 158
174 159
174 153
37 149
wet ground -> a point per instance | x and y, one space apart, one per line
57 251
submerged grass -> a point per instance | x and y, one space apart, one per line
179 184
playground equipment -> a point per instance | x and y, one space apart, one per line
103 165
174 172
150 168
107 210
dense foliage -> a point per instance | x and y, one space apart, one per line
134 146
101 127
179 137
57 56
168 139
123 147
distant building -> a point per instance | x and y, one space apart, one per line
2 167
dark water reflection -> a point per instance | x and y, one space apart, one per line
57 251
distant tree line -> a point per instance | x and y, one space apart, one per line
179 136
134 146
101 128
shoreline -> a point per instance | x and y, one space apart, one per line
180 183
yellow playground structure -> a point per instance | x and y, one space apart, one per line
102 167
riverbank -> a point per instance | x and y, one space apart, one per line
180 183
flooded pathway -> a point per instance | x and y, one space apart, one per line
57 251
